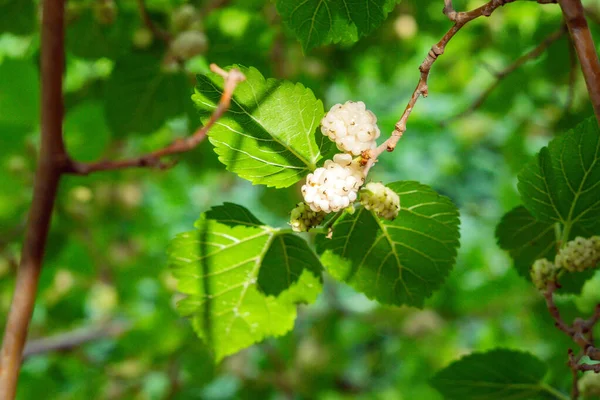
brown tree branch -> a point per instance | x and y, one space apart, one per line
460 19
73 339
232 79
500 75
51 162
158 32
586 51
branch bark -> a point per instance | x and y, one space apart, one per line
460 19
586 51
51 162
232 79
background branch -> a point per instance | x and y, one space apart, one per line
232 79
159 33
585 48
500 75
74 339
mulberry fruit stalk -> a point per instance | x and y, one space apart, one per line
351 126
334 186
380 199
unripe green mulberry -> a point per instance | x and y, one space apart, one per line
143 38
589 384
579 254
380 199
105 11
303 218
184 17
542 272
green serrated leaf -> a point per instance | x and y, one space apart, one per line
562 183
242 281
527 239
140 97
17 16
318 22
401 261
268 135
495 375
19 94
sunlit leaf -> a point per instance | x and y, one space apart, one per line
242 281
268 135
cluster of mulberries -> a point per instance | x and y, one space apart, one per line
303 218
352 127
542 272
380 199
579 254
334 186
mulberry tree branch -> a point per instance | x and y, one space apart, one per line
158 32
581 36
154 159
460 19
52 160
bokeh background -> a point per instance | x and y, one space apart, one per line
106 280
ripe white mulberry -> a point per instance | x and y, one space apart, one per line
579 254
380 199
334 186
303 218
352 127
188 44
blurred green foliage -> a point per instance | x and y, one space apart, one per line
106 260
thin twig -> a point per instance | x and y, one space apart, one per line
73 339
586 50
158 32
460 19
500 75
52 160
232 79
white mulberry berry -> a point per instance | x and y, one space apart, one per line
188 44
334 186
380 199
303 218
579 254
351 126
542 272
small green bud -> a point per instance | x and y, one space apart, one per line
303 218
380 199
579 254
542 272
143 38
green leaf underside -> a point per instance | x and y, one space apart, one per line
242 281
495 375
269 135
401 261
563 183
320 22
527 239
140 97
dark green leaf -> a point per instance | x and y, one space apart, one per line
17 16
318 22
496 375
401 261
562 183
